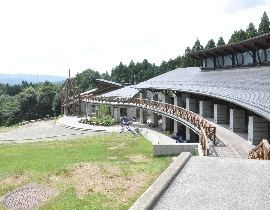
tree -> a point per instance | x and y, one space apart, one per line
105 76
133 71
187 61
251 31
238 36
220 42
28 104
46 93
86 79
197 46
210 44
10 113
264 26
120 73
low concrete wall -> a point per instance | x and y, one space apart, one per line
151 137
175 149
171 149
149 197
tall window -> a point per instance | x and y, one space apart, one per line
239 56
262 56
247 57
227 61
220 60
208 63
268 55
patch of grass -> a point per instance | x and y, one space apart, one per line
82 170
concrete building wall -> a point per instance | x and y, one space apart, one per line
237 120
83 107
257 129
220 114
178 101
116 114
191 104
131 112
205 109
175 149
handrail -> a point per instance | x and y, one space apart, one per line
204 143
261 151
191 117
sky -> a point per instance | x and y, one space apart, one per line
49 37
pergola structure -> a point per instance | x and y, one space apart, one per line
70 98
251 52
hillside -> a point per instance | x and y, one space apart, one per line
13 79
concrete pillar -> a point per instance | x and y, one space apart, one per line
257 129
191 135
205 108
83 107
143 95
116 114
191 104
154 97
166 123
89 109
220 114
131 112
178 101
166 99
154 118
112 112
237 120
143 116
176 126
143 113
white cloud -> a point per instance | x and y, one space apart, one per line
50 37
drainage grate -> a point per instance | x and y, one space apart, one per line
28 197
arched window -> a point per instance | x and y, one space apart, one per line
220 61
227 61
239 56
208 63
248 58
261 54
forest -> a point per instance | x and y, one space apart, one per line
28 101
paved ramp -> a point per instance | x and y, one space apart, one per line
218 183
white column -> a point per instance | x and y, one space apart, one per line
143 113
166 125
220 114
83 107
237 120
154 119
178 101
257 129
205 108
89 109
116 114
191 104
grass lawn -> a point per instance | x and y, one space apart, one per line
106 171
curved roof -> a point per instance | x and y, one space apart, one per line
247 87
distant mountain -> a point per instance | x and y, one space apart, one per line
14 79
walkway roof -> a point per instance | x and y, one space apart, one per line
258 42
126 92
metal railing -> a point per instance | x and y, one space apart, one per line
206 129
